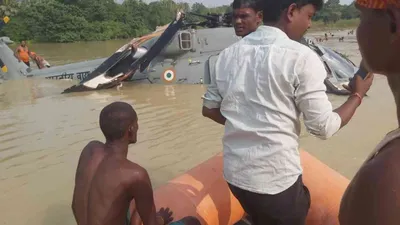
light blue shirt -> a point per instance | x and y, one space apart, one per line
262 84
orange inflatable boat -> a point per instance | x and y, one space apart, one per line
203 193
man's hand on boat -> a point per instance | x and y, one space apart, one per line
164 216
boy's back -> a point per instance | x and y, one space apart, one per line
90 158
101 186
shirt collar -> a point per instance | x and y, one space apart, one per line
265 33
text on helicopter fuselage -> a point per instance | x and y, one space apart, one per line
70 76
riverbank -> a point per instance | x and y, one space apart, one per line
339 25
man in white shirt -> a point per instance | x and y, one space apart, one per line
259 88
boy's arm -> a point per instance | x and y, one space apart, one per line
312 100
142 192
212 100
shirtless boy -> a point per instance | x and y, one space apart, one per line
107 182
372 198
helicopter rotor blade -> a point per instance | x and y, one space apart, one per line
204 16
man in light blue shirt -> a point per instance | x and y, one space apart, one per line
259 88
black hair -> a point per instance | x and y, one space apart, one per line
272 9
115 120
252 4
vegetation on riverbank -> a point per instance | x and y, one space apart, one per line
94 20
339 25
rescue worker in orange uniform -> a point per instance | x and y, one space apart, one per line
22 53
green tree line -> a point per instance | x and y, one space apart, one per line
334 11
95 20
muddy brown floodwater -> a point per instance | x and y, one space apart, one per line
42 132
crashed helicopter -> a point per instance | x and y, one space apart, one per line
177 53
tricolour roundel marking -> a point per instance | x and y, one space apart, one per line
169 75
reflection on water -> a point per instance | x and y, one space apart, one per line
42 133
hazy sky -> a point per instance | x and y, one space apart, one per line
225 2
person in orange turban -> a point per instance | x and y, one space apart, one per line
373 196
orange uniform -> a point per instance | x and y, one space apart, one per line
23 54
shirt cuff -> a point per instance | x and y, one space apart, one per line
335 126
211 104
331 127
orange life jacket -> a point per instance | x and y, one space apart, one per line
23 54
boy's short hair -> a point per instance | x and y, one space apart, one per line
115 120
272 9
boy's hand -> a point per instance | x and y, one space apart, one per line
164 216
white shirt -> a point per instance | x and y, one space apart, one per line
262 84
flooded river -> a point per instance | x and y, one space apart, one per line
43 132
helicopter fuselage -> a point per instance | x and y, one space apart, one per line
186 59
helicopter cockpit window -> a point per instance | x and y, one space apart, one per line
185 40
